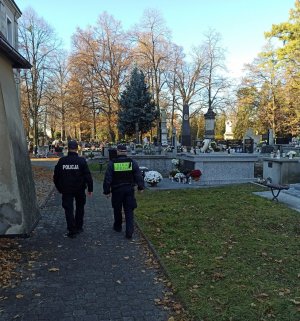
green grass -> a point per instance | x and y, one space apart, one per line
230 255
95 169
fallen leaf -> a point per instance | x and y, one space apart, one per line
219 258
119 282
262 295
218 276
295 302
19 296
53 269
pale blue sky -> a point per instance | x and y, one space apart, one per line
241 23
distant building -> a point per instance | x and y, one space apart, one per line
19 211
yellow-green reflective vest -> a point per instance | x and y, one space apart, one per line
123 167
122 171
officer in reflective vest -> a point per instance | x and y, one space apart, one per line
121 176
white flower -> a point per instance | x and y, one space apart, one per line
179 175
175 161
152 177
291 152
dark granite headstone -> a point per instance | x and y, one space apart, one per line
186 128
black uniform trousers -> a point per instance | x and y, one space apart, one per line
123 197
74 223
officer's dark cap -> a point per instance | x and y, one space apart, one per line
122 148
72 144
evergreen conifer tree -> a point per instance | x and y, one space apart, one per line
136 106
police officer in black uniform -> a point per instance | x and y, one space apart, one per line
121 176
71 177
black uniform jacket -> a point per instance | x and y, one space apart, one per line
72 175
122 171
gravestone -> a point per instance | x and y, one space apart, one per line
250 141
186 128
209 124
228 130
174 139
270 137
163 128
248 145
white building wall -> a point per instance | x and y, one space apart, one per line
9 14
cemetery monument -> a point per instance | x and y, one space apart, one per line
163 128
186 129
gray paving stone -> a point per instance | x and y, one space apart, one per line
290 197
90 279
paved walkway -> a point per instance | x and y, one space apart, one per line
98 276
290 197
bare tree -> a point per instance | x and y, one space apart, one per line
176 60
38 44
152 49
57 93
213 79
189 76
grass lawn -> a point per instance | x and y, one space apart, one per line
230 255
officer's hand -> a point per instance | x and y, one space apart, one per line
141 190
90 194
108 195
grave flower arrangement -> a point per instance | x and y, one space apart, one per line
173 172
179 177
152 177
195 173
291 153
175 162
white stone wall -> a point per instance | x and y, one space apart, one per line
19 211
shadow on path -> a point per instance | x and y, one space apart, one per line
98 276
